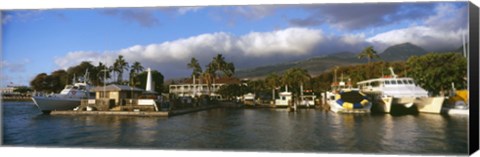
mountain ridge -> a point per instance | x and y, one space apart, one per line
318 64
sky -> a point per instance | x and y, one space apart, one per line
166 38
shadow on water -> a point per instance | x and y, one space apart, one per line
399 110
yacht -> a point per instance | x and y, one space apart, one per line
67 99
401 93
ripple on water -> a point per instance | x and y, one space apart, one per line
242 129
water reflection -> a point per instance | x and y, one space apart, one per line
306 130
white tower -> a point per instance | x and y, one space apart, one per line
149 81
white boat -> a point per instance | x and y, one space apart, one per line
249 99
457 104
285 98
307 98
67 99
401 93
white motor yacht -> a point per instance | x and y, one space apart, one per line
67 99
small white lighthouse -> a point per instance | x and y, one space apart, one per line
149 81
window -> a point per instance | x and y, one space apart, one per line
411 82
387 82
399 82
103 94
393 82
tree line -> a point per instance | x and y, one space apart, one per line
434 72
217 68
98 76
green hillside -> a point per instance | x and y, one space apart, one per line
318 65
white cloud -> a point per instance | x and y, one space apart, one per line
15 67
176 53
442 31
75 58
254 11
353 39
184 10
292 41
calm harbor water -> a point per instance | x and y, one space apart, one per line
306 130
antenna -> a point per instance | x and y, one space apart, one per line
464 46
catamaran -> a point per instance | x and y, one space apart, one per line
400 91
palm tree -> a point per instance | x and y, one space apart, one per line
218 62
368 53
209 75
103 72
229 69
135 69
273 80
120 65
195 66
112 69
295 75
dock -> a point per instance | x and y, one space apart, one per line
137 113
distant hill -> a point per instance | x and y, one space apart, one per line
319 64
315 65
402 52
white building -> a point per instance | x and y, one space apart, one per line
189 88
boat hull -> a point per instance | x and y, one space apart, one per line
337 108
47 104
429 104
423 104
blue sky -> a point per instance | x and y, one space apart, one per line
165 38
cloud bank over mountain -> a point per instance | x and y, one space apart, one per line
442 28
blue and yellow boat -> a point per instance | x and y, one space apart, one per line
349 101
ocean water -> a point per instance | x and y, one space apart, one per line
271 130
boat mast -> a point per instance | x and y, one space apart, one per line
393 73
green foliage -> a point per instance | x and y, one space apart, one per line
22 90
368 53
157 79
79 72
103 73
134 71
120 65
195 66
39 82
435 72
231 91
295 77
218 63
258 86
50 83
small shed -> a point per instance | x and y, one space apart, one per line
117 92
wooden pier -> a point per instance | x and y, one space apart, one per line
137 113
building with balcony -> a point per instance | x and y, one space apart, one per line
191 88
